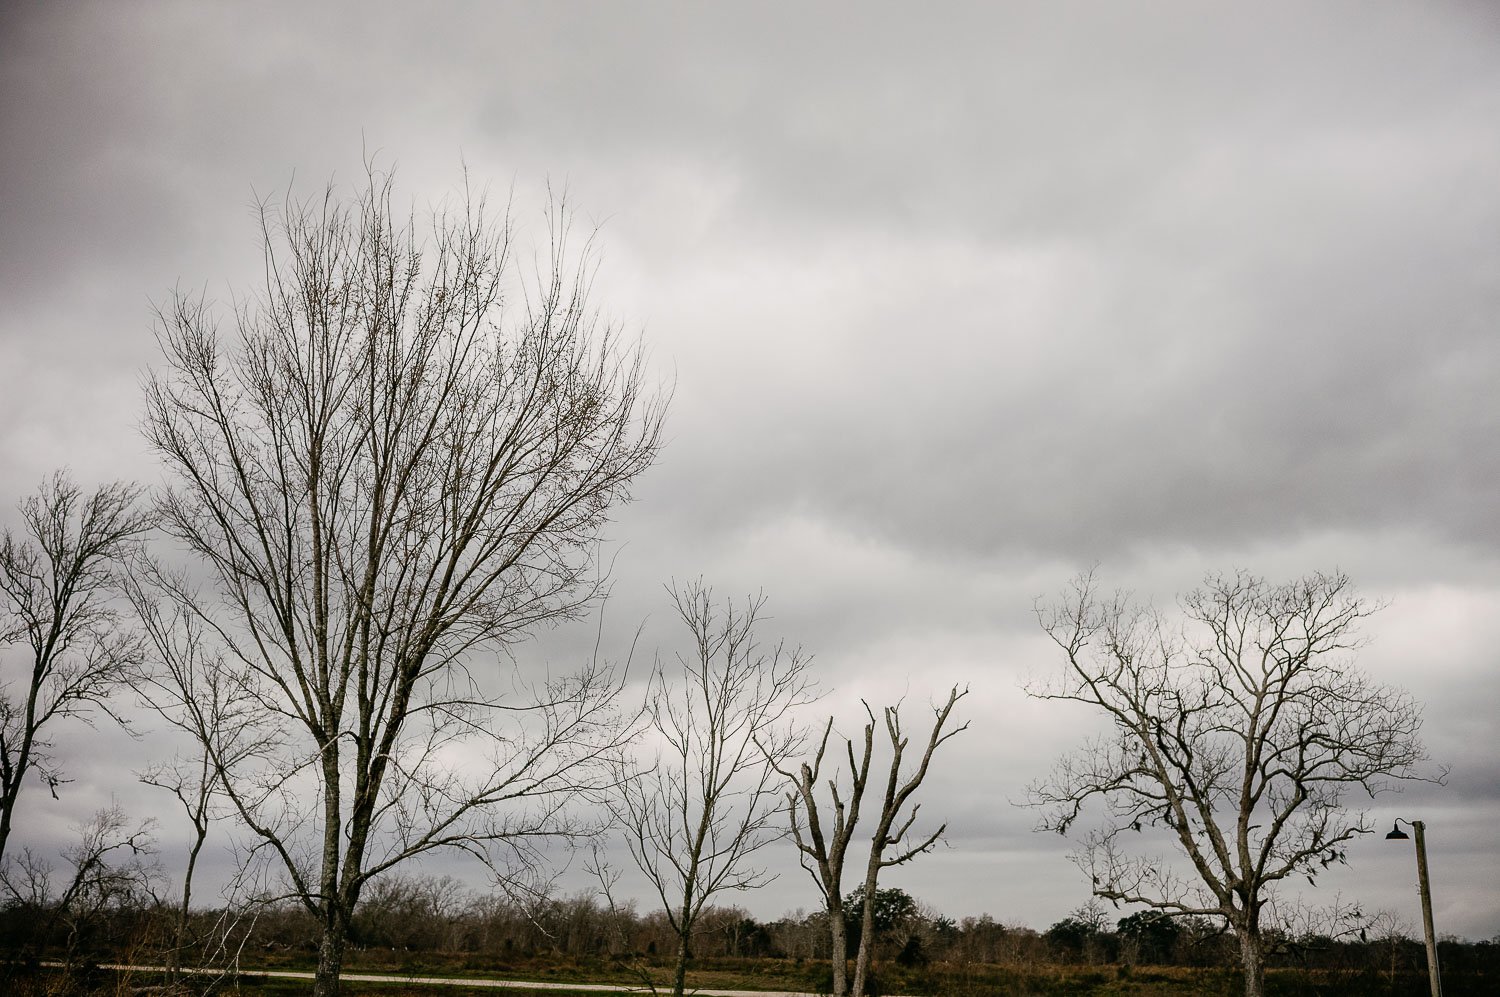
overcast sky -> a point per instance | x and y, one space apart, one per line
957 303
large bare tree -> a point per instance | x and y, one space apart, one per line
396 465
1240 731
824 850
722 723
64 648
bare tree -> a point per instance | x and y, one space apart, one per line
823 852
1241 735
891 843
58 580
203 700
403 459
111 868
712 799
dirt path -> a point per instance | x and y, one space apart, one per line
442 981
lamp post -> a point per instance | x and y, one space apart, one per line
1397 834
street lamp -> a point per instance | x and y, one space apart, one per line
1432 961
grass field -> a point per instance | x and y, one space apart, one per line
936 980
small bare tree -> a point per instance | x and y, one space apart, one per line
693 821
823 853
822 850
1241 735
203 700
110 869
892 843
403 460
58 582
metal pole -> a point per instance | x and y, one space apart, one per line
1432 959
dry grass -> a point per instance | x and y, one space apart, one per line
936 980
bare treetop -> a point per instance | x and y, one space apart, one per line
58 590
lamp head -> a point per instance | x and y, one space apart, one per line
1396 834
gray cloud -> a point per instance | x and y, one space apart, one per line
956 304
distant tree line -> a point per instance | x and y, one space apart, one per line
404 922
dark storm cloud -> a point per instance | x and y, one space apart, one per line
1289 279
81 193
1269 236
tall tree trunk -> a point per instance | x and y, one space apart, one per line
688 917
838 958
184 910
335 913
1253 961
16 768
5 807
867 922
330 957
679 976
